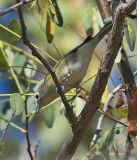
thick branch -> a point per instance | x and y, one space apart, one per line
114 43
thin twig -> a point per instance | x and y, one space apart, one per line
105 109
27 133
112 118
15 6
69 110
23 67
5 130
13 125
36 149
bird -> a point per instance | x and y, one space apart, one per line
72 68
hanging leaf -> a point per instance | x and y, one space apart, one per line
50 28
16 103
110 137
31 104
48 116
130 35
102 140
14 26
55 13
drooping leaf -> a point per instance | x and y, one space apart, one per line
55 13
110 137
31 108
50 28
102 140
130 35
14 26
31 104
105 139
17 103
48 115
79 104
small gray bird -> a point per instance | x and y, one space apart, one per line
71 68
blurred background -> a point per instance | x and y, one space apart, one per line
48 130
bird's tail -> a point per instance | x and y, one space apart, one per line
104 30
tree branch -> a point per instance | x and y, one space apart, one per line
105 109
27 133
114 43
12 8
69 110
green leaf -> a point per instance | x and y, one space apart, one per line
102 140
48 116
19 60
3 62
31 104
105 139
79 104
110 136
17 103
130 35
5 117
98 156
50 28
7 114
31 107
30 72
119 113
14 26
55 13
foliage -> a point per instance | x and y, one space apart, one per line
54 27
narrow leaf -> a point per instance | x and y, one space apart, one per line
50 28
56 14
3 62
14 26
48 115
130 36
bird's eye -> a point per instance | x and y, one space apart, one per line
37 96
